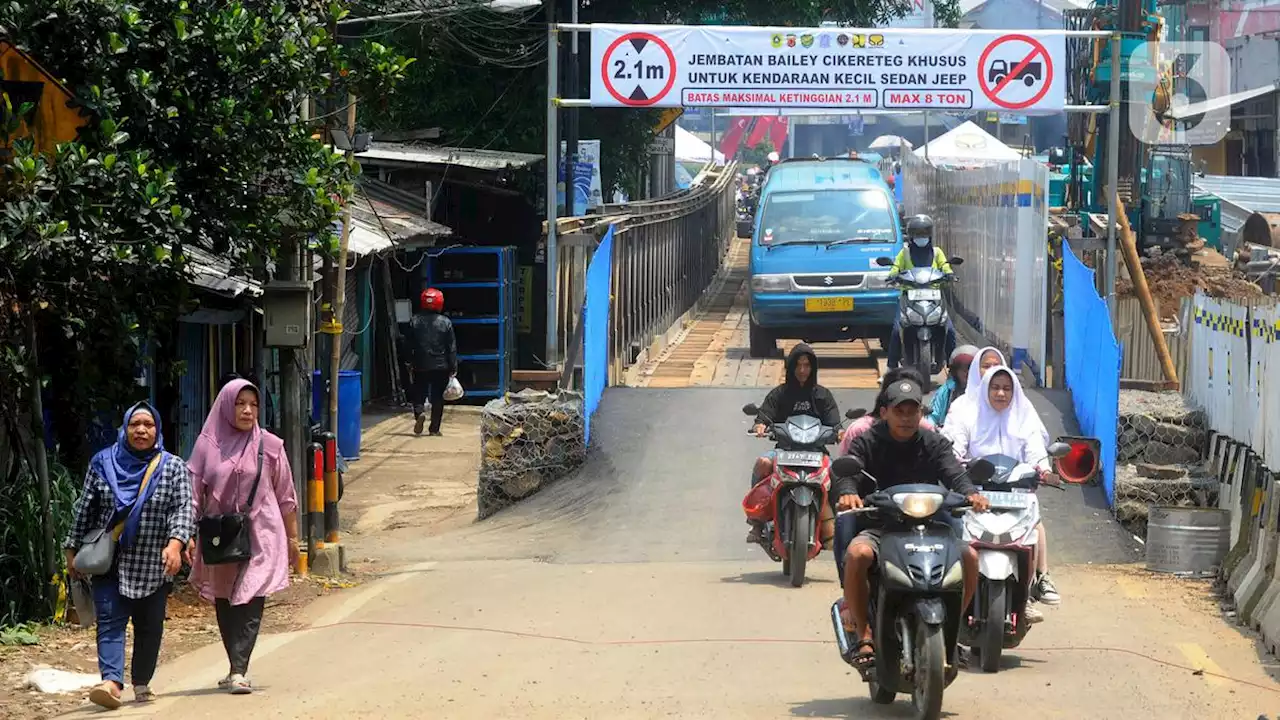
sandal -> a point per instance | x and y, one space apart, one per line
105 695
143 694
225 683
240 685
864 661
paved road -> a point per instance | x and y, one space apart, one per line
628 592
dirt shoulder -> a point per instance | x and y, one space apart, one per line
402 485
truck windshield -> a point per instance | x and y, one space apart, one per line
827 216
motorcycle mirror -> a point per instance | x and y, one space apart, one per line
1059 449
956 261
750 409
855 413
981 470
884 262
846 466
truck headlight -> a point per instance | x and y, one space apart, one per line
770 283
876 281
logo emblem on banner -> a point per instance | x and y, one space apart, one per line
776 40
639 69
1015 71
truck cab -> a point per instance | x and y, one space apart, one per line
819 227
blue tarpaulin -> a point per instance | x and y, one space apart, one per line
595 337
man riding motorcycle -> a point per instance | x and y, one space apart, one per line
896 452
918 252
800 394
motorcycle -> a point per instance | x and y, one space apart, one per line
789 501
922 319
917 586
746 207
1005 538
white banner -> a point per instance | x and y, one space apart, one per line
947 70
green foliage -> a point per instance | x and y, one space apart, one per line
758 155
946 13
192 143
24 634
23 584
481 78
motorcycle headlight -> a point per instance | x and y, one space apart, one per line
914 317
918 505
770 283
935 315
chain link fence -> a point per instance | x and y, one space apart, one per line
1160 446
528 439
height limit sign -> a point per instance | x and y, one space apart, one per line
638 69
1015 72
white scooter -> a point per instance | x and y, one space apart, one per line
1005 538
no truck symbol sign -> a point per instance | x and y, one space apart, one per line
1015 71
638 69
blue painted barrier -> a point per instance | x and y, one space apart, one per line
595 338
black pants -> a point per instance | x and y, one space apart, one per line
239 626
428 386
894 350
115 611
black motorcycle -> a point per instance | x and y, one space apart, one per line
922 317
917 586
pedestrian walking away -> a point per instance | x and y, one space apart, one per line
434 357
138 496
237 467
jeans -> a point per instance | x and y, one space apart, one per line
429 386
114 611
895 342
239 625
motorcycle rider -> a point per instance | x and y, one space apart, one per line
957 376
799 394
896 451
1007 424
846 525
918 252
984 359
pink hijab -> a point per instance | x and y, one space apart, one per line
223 466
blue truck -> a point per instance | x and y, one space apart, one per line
820 226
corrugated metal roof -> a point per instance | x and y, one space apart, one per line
214 274
1255 194
462 157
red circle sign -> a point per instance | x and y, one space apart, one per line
622 72
1018 69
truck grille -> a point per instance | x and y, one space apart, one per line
821 281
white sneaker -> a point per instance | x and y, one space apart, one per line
1046 591
1033 615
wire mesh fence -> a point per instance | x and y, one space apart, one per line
528 439
1160 446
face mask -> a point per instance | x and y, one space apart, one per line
920 241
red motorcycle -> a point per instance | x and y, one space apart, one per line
790 500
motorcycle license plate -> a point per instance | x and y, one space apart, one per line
924 294
1008 500
797 458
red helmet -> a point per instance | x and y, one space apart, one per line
433 300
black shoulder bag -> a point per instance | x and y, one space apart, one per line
224 539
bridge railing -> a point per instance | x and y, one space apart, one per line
995 216
664 253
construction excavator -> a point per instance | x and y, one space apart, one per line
1155 181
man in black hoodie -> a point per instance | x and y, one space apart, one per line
799 395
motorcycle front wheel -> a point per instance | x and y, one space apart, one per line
993 627
930 669
798 548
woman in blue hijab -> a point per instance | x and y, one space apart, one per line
142 495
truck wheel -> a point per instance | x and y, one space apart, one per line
763 344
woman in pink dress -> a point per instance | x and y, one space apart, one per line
223 466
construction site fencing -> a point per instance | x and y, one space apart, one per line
1234 353
663 254
1092 360
995 216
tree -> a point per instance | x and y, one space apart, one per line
192 142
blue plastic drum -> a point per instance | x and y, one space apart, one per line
350 404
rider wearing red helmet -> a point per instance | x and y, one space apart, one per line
434 357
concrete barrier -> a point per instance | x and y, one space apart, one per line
1234 472
1245 574
1259 579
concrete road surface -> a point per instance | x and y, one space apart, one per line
628 592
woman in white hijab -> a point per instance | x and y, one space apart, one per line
965 405
1006 424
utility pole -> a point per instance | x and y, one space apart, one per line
573 82
552 168
334 326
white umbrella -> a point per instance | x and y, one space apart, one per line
888 142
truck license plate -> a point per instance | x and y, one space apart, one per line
828 304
